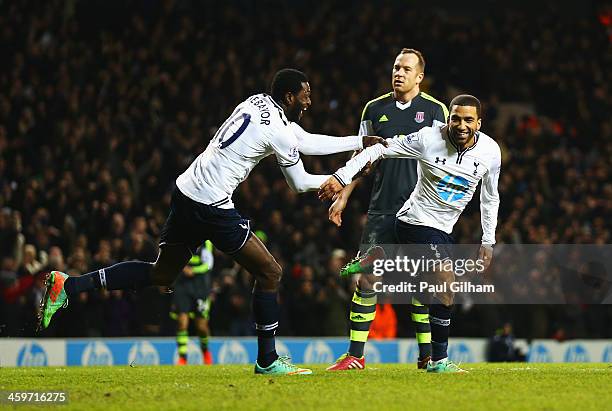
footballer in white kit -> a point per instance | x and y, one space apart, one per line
201 209
447 179
452 160
257 128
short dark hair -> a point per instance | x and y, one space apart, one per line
416 53
286 81
466 100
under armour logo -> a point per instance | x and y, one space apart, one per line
476 167
438 160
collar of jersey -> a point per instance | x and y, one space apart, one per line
402 106
274 102
280 109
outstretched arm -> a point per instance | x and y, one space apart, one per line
321 144
410 146
285 147
299 180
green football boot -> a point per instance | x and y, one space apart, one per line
444 366
363 263
55 298
282 366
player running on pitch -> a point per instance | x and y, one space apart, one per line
191 300
202 208
452 159
405 110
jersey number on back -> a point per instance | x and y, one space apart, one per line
238 122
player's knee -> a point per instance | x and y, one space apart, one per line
446 299
275 271
445 277
202 327
271 273
164 275
366 282
182 321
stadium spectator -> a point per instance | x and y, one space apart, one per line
501 346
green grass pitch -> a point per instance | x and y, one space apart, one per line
524 386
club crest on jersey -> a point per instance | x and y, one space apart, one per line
419 117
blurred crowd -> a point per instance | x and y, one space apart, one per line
103 104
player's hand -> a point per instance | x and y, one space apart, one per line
336 209
329 188
486 255
372 140
188 271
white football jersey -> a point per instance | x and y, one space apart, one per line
447 177
257 128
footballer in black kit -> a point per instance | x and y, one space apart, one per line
403 111
395 178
